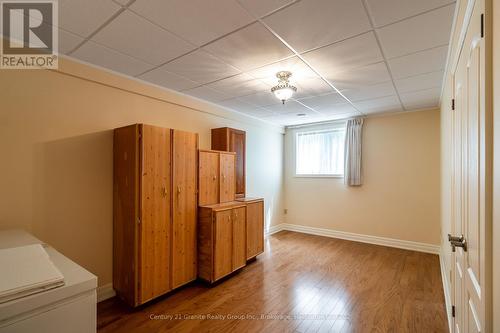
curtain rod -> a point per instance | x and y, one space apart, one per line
325 122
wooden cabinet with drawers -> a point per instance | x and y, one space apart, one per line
221 240
231 139
154 211
216 177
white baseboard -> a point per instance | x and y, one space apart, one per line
446 289
105 292
390 242
274 229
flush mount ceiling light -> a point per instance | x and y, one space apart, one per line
283 90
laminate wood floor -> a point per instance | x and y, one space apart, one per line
302 283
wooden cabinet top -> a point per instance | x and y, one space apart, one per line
216 151
225 205
249 200
229 129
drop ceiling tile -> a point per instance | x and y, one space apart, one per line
313 23
290 107
320 103
420 82
389 11
239 85
197 21
419 63
362 76
68 41
309 87
297 67
261 99
207 94
84 17
348 54
200 66
418 33
240 106
249 48
135 36
102 56
168 80
292 119
122 2
379 105
421 99
370 92
345 109
260 8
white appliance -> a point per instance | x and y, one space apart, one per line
71 307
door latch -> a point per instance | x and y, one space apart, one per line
457 242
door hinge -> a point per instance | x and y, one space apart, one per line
482 25
453 311
453 104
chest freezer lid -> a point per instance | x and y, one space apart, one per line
77 280
26 270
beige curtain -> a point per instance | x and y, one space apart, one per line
353 137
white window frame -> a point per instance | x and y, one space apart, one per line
326 128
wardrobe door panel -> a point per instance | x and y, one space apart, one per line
126 158
208 178
155 231
223 248
239 238
184 205
227 177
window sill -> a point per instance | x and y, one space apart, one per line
319 176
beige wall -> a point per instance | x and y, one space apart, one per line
400 195
56 144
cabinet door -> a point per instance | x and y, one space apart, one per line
184 205
208 178
239 238
155 237
255 229
237 144
223 247
227 177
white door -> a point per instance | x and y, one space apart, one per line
471 191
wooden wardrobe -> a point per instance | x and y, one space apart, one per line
233 140
155 211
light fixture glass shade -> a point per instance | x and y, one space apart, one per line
283 91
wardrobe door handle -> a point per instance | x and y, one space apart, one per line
163 191
178 190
